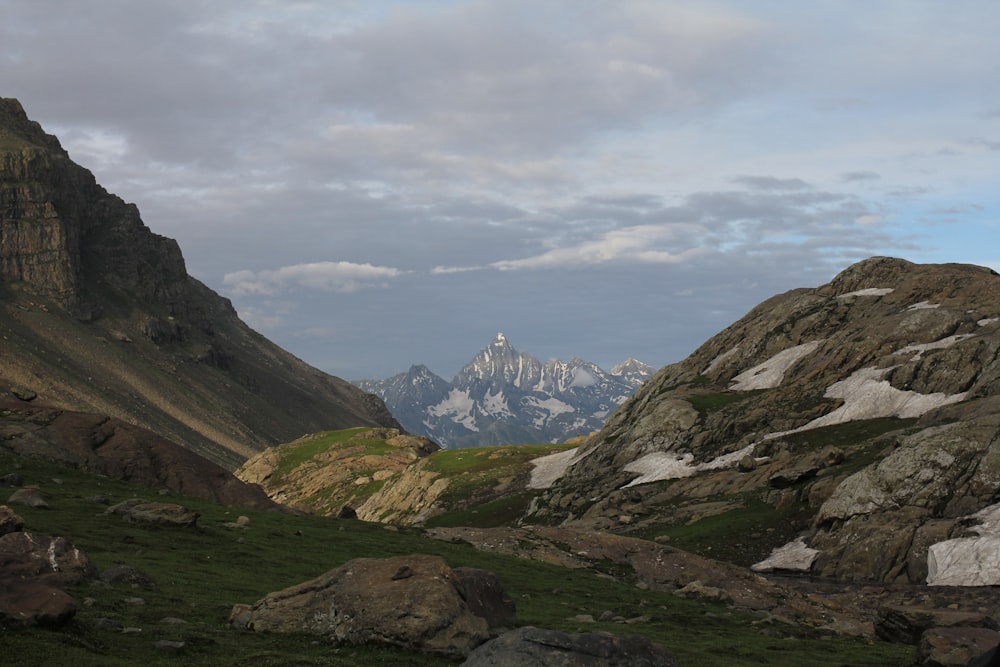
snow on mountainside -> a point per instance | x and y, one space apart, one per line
506 397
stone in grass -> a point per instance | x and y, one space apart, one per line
535 647
134 577
168 646
10 522
137 510
29 496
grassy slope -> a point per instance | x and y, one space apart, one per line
202 572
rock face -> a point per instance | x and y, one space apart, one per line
89 296
416 602
506 397
862 412
535 647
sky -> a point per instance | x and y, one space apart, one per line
381 184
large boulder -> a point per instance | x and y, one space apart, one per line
535 647
417 602
33 569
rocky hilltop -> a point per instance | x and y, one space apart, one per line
853 429
506 397
99 315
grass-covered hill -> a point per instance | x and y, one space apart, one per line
202 571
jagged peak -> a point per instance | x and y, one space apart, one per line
19 131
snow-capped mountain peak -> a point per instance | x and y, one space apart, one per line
503 396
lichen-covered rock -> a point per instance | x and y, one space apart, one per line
416 601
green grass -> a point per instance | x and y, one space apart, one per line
296 453
202 572
708 403
847 434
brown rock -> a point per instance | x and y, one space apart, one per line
33 569
364 601
9 521
954 647
905 625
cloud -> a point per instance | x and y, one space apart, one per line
325 276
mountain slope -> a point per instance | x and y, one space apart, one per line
98 314
860 416
503 396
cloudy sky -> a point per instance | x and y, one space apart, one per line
379 184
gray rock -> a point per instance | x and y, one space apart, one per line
534 647
134 577
165 514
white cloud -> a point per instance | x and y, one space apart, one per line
325 276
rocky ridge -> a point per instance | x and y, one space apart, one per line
506 397
99 315
863 413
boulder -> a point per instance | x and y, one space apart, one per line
9 521
29 496
486 596
416 602
905 624
535 647
165 514
33 569
954 647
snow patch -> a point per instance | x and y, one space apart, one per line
551 467
987 321
870 291
496 405
920 348
659 466
458 407
924 305
769 374
968 561
867 396
720 359
794 556
551 405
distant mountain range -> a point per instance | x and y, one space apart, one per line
505 397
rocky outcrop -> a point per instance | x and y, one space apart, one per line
417 602
862 412
323 473
99 315
137 510
110 447
535 647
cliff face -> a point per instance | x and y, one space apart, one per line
98 314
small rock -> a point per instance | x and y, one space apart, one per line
12 479
138 602
747 463
173 620
583 618
29 496
134 577
243 521
167 646
347 512
167 514
23 393
131 631
108 624
607 616
696 590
